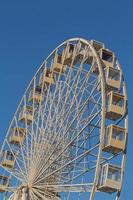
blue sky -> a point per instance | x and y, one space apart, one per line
29 30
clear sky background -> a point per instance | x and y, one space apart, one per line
30 29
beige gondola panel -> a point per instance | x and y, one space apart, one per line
115 139
8 159
58 66
97 45
112 79
110 179
4 182
116 105
46 77
35 94
26 115
107 57
68 54
17 136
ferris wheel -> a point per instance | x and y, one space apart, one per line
67 139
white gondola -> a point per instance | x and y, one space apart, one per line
110 179
115 139
116 105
